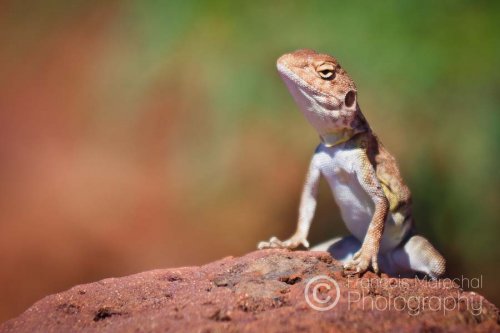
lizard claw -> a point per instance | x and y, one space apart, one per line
361 262
291 243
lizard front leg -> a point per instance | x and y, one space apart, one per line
307 207
367 255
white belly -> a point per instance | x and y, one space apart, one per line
356 207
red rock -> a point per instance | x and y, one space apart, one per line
260 292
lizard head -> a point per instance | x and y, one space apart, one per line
325 93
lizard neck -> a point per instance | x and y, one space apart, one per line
335 138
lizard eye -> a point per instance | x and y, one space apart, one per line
326 71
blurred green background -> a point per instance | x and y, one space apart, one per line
143 134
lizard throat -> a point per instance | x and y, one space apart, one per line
336 138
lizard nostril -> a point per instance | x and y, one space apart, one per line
350 98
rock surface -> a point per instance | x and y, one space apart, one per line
260 292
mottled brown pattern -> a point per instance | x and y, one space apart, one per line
371 244
387 171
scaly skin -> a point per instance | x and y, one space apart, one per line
364 177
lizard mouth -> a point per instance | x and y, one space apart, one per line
295 83
288 74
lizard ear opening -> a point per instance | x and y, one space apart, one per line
350 98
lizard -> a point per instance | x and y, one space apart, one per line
363 176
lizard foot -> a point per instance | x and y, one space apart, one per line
361 261
291 243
